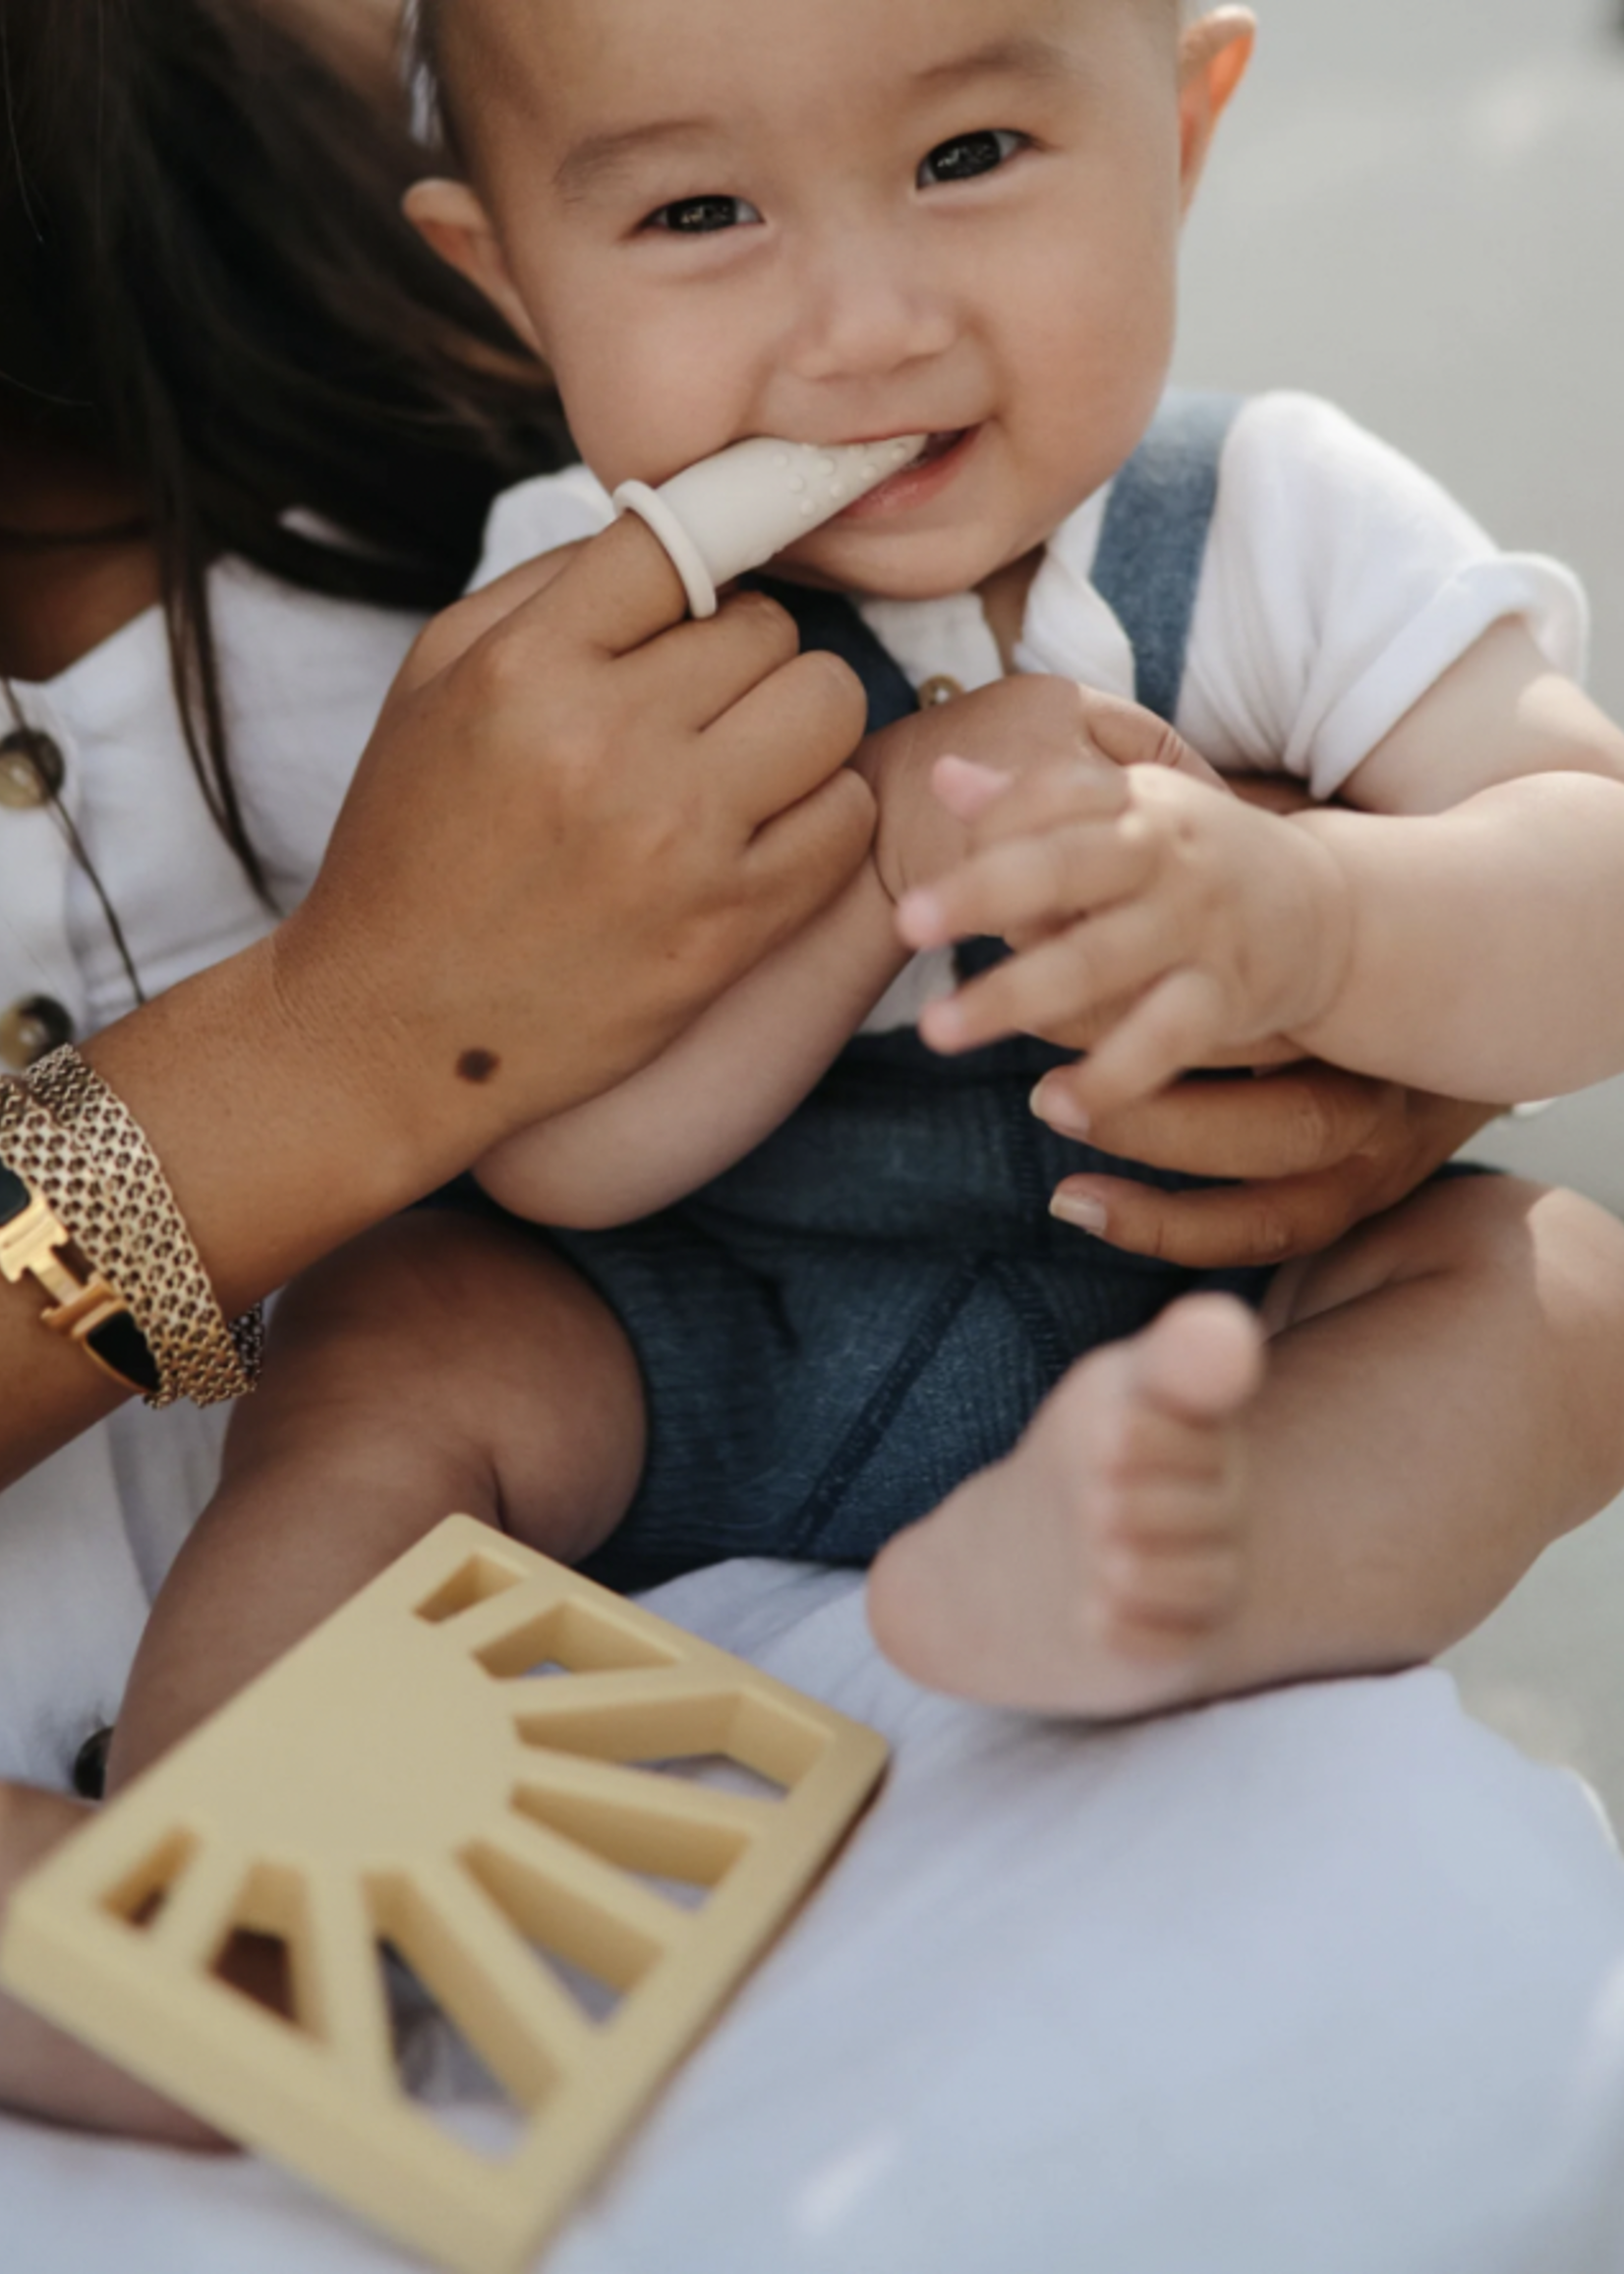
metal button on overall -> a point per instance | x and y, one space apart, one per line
32 1030
31 769
939 687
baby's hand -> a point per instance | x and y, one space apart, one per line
1015 727
1142 901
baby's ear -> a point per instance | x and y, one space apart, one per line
450 217
1213 55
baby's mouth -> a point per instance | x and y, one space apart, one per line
918 481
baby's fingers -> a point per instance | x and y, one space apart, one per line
1082 788
1028 885
1177 1024
1050 987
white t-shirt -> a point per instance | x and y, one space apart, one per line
86 1535
1340 584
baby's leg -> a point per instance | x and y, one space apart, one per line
1190 1514
43 2071
440 1364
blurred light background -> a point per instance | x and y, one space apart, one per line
1416 207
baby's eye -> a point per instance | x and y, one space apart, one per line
702 217
967 155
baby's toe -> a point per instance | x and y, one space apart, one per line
1167 1600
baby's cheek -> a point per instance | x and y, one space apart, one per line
647 398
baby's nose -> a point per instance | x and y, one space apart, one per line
866 310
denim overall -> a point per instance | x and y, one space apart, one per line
867 1308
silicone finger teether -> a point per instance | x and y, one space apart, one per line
734 511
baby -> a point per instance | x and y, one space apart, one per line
801 1291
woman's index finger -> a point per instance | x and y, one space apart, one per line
462 625
618 592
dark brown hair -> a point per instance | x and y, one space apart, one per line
206 277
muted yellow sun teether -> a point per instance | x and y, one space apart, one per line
490 1770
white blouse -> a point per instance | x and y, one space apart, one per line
86 1538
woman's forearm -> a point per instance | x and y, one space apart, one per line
282 1131
1483 941
278 1145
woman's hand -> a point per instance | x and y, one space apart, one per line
579 820
1312 1151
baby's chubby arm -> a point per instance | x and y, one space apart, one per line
1480 856
753 1056
1450 931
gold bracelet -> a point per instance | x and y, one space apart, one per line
34 1242
80 1149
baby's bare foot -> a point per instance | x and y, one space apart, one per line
42 2071
1093 1571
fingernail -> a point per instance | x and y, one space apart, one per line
1051 1104
1085 1214
942 1023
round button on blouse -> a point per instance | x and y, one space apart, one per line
939 687
32 1030
31 769
89 1773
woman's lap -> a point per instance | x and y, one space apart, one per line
1313 1979
1308 1979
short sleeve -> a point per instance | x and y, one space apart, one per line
537 517
1341 583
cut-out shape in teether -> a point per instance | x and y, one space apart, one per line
733 512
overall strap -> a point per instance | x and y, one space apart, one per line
828 619
1148 566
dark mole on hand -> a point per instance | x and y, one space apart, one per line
477 1064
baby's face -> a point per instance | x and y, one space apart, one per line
837 220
